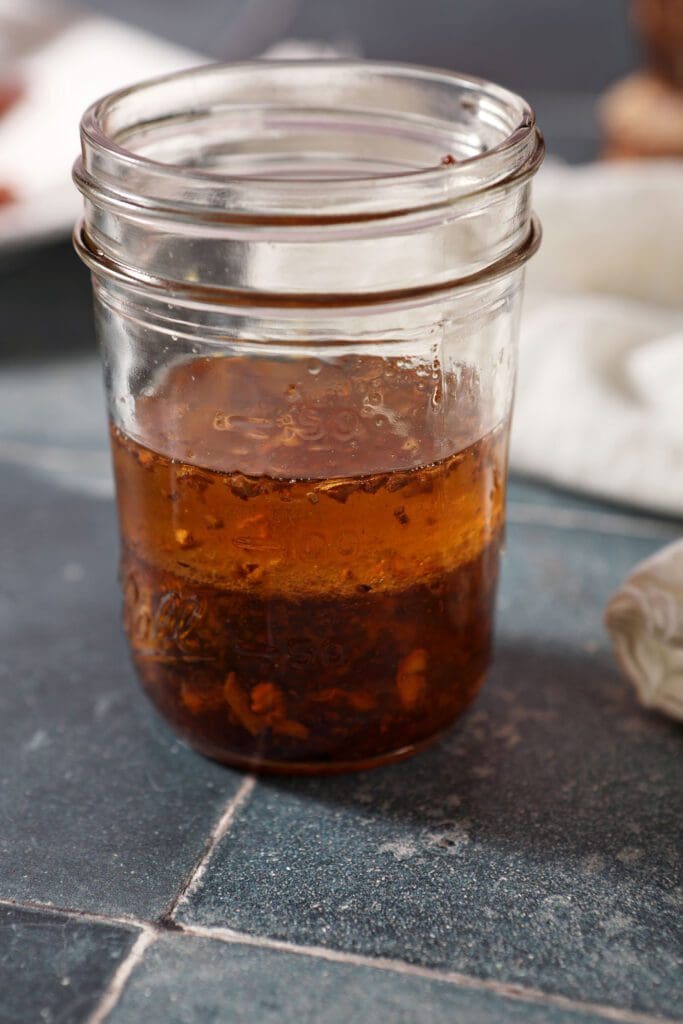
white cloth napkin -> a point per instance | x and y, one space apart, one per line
600 394
600 390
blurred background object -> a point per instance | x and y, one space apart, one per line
55 60
559 55
660 23
599 410
642 114
56 57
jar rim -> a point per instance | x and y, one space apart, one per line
109 170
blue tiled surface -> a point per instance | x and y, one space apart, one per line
183 980
624 519
54 968
534 852
100 807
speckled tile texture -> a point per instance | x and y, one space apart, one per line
182 980
54 968
100 807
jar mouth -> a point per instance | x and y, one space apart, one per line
308 141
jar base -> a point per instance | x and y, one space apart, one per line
265 767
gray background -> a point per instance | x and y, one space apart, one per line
567 45
559 53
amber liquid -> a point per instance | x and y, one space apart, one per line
300 618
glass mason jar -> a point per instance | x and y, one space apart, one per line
307 284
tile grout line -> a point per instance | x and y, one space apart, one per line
219 830
150 931
521 513
114 989
508 990
79 915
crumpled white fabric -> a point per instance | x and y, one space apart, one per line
645 620
600 388
600 399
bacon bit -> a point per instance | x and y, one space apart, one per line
287 727
411 679
267 700
448 160
339 491
239 705
244 488
6 196
252 572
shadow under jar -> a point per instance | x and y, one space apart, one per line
308 280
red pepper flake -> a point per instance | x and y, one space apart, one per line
402 516
266 699
185 539
238 702
10 92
